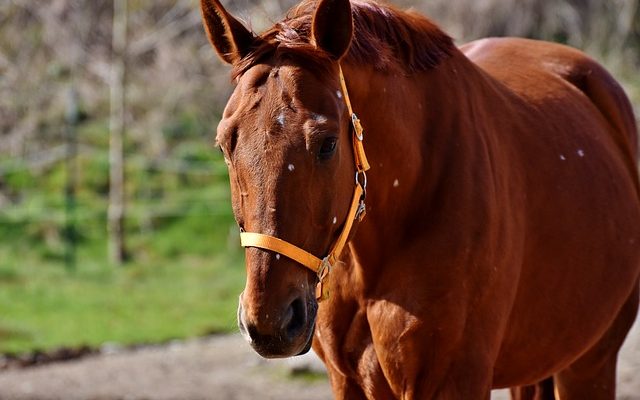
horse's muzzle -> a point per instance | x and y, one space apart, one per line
281 334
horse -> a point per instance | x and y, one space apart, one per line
482 231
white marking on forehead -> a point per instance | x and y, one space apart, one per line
281 119
581 152
319 118
291 167
396 183
339 94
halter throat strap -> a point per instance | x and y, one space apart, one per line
322 266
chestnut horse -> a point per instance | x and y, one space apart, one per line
501 242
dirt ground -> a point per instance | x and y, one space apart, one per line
221 367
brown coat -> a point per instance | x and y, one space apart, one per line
501 244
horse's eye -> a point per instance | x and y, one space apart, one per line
328 148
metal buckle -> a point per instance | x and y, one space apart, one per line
361 179
362 210
357 127
322 293
324 269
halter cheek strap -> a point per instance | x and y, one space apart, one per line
322 266
362 164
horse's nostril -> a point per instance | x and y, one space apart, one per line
285 332
296 317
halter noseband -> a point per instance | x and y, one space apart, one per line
323 266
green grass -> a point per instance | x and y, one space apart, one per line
186 267
43 305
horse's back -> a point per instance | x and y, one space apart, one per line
516 62
573 142
557 101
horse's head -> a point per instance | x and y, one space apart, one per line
286 139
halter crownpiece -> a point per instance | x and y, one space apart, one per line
322 266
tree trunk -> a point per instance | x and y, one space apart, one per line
116 213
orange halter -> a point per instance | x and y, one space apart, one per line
323 266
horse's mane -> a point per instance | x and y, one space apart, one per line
384 37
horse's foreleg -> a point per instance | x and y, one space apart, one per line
542 390
345 388
352 363
368 381
425 362
593 375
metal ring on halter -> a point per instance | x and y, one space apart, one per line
364 179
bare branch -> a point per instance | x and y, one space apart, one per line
171 30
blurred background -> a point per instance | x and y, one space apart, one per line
115 223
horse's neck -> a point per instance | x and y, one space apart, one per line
420 145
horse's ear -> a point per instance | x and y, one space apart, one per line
228 36
333 27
